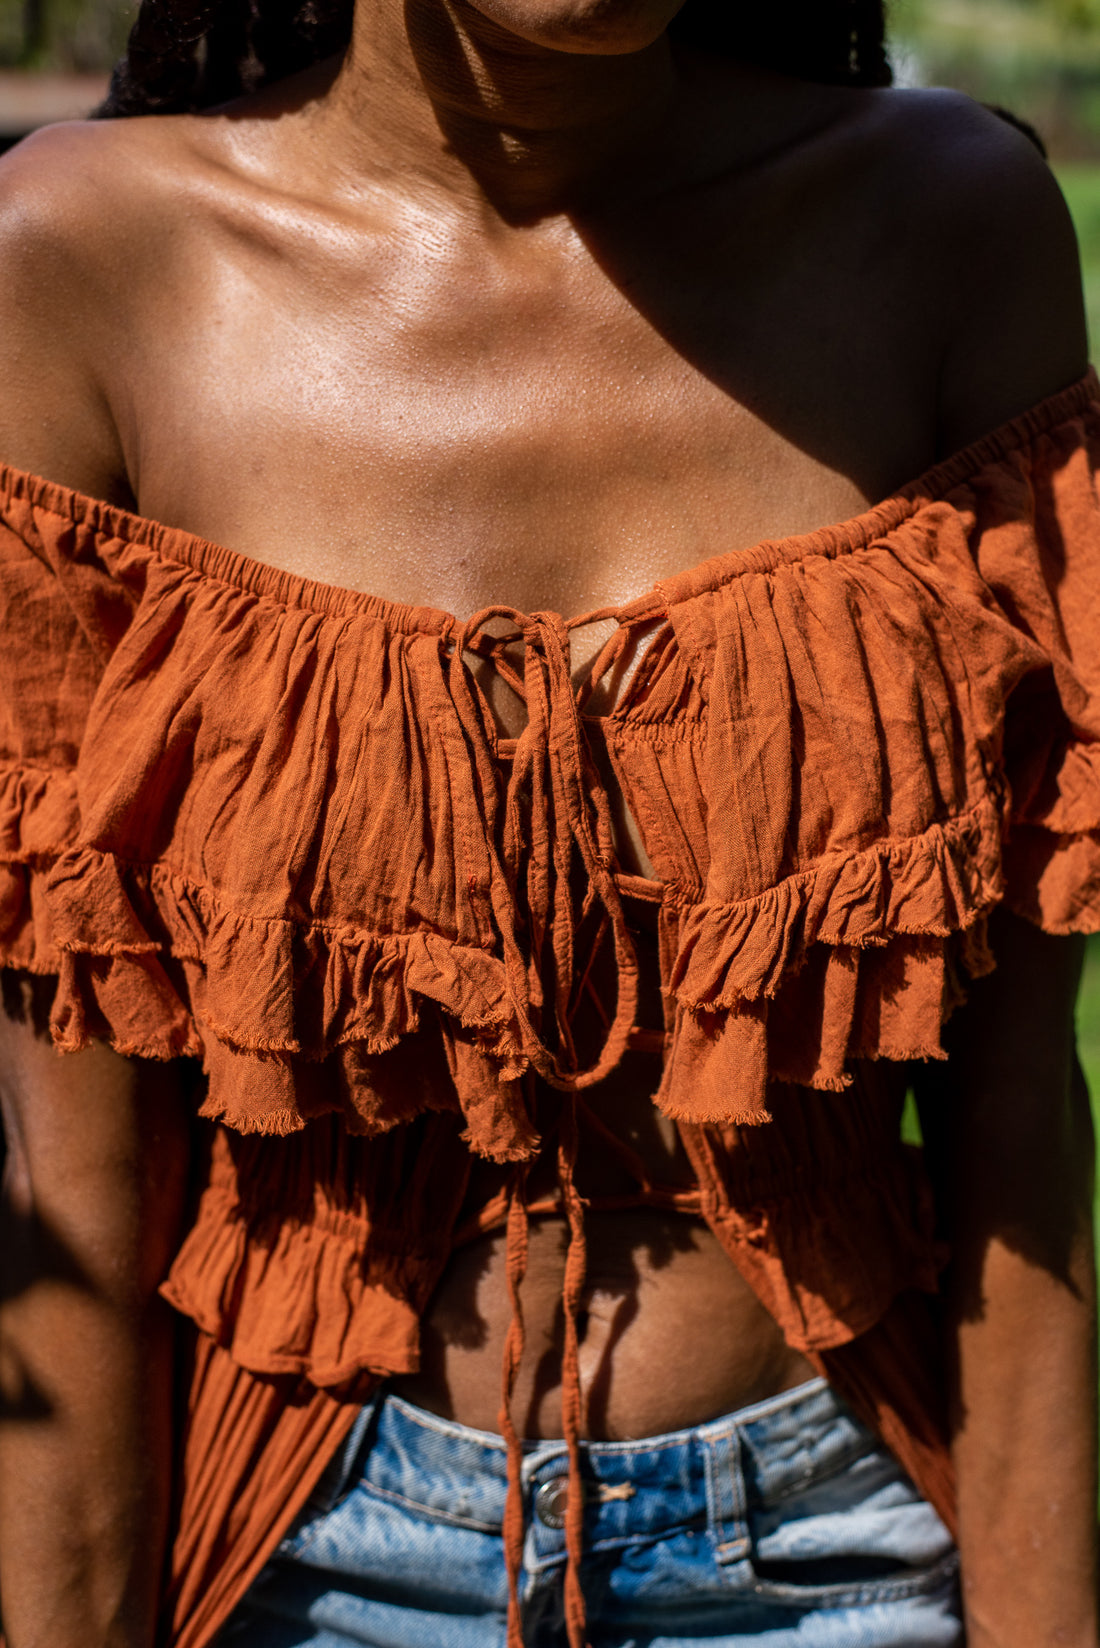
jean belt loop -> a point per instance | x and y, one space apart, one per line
726 1498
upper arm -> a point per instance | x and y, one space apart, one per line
56 312
1009 270
97 1162
1006 1122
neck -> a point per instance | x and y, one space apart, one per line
435 88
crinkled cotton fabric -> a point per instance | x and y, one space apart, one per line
270 825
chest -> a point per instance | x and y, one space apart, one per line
556 422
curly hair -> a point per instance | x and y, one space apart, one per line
185 55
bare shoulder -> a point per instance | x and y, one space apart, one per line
78 223
989 231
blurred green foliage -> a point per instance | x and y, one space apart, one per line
1088 1042
1078 14
1081 187
64 36
1088 1020
1039 58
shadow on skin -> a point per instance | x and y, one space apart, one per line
28 999
599 1389
21 1399
664 1238
1006 1120
34 1256
691 280
32 1251
455 1321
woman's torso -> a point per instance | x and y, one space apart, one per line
380 391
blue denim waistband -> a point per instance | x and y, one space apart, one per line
778 1521
638 1489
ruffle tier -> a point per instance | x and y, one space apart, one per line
825 1214
862 958
262 820
293 1021
39 813
315 1257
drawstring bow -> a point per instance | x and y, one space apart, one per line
556 819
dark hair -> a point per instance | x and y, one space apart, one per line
838 42
184 55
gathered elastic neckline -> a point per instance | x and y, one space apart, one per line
259 578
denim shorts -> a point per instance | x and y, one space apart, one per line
784 1525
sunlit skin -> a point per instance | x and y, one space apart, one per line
517 304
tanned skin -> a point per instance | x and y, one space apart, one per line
518 305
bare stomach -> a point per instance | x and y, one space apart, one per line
670 1334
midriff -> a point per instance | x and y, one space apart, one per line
670 1334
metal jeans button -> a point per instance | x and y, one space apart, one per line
551 1500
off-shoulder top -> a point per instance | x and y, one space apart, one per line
269 824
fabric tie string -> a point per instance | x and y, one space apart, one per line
515 1268
554 813
516 1247
576 1258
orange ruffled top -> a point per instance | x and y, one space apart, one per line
269 824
